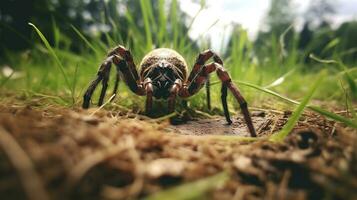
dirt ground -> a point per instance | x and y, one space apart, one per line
62 153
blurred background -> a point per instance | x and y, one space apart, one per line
262 42
314 24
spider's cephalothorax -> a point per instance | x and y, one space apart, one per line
163 66
163 74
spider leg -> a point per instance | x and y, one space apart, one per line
126 55
197 67
88 94
201 78
134 84
173 93
116 84
200 62
123 60
224 103
149 91
208 93
104 85
242 103
130 74
103 70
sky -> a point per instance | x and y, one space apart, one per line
250 14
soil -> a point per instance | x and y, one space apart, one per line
62 153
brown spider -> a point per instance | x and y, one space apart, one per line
163 74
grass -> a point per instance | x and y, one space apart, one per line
53 54
272 75
278 137
260 80
197 188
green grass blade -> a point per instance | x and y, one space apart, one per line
334 116
162 22
325 61
283 51
278 137
6 79
349 103
174 22
193 190
149 9
280 80
166 117
74 82
267 91
333 43
146 25
84 39
347 76
317 109
56 33
352 85
350 70
133 26
53 54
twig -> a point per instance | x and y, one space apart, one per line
109 100
163 118
31 181
266 110
344 111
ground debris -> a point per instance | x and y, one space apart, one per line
112 156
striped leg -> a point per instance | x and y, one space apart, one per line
149 91
124 64
125 55
173 94
200 80
116 84
102 75
197 67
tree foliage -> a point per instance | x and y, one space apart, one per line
94 18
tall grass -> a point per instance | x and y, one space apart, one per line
55 57
283 77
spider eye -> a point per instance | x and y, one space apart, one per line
162 65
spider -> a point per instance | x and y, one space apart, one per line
164 74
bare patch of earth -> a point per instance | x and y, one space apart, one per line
218 126
61 153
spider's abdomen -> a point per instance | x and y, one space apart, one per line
164 55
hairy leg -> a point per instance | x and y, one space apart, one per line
200 80
123 60
116 85
104 86
173 93
200 62
208 93
125 54
149 91
197 67
101 74
134 85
